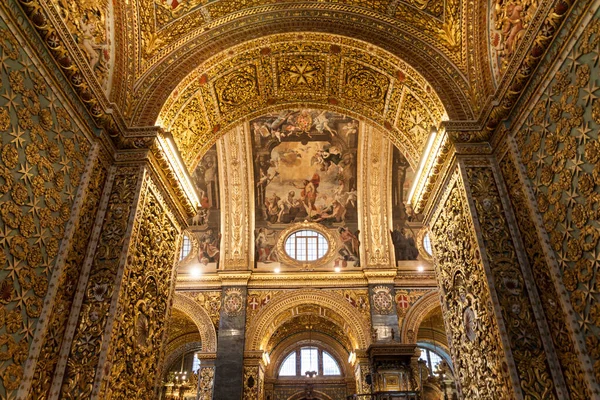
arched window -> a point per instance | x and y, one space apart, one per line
432 358
186 247
288 367
308 359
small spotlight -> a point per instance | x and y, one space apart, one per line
420 268
195 272
337 269
277 270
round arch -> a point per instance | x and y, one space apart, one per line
178 352
398 92
338 352
416 314
157 83
201 319
316 395
258 333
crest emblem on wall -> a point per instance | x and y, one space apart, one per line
233 302
382 299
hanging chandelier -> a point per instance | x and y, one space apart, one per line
313 373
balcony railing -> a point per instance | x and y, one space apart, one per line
404 395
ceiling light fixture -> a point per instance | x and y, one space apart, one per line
422 162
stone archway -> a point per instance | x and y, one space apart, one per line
200 318
416 314
258 331
315 395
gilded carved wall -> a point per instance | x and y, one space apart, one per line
550 299
510 286
466 303
557 141
43 157
138 335
67 285
94 312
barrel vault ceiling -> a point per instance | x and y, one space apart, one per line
138 62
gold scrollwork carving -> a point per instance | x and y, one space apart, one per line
563 345
237 88
366 85
143 303
510 287
85 348
475 342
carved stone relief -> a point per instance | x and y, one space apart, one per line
557 138
473 333
550 299
530 355
374 184
143 304
94 314
236 177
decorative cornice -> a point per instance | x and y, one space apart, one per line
234 278
380 276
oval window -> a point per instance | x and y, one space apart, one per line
306 245
427 244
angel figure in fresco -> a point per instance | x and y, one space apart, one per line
262 130
350 129
326 157
322 124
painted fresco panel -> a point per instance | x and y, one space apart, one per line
305 171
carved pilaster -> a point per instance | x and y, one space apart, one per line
131 275
510 284
375 153
560 323
206 378
473 332
235 174
66 283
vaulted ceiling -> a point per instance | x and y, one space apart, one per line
467 60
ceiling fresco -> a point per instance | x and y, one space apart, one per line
268 74
305 167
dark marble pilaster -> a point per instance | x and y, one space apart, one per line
230 345
384 316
